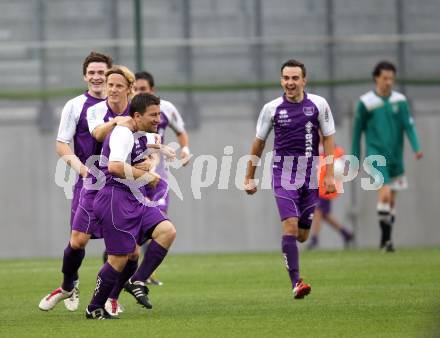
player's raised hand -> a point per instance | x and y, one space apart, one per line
249 186
418 155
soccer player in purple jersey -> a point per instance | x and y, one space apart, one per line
73 126
296 117
126 220
170 117
101 119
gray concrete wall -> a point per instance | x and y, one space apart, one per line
35 210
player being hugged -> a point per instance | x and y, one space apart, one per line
126 221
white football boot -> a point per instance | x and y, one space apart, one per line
53 298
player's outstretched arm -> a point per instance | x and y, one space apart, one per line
256 151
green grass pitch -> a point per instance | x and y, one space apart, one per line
362 293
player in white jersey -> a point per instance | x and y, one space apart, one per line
73 127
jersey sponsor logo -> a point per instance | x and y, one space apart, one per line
308 139
283 118
308 111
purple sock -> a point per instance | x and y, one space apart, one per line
107 278
128 271
72 260
291 257
154 255
347 235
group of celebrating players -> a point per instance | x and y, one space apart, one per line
117 127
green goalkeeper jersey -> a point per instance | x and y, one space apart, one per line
384 120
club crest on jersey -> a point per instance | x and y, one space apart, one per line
308 111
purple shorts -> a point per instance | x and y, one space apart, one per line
325 206
125 221
85 220
299 203
75 200
159 194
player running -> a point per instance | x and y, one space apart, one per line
296 118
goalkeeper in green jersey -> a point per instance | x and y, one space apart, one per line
384 116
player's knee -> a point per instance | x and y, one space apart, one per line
171 232
78 242
385 199
165 233
290 226
302 237
118 262
385 196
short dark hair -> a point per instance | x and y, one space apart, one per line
141 102
294 63
97 57
383 65
144 75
